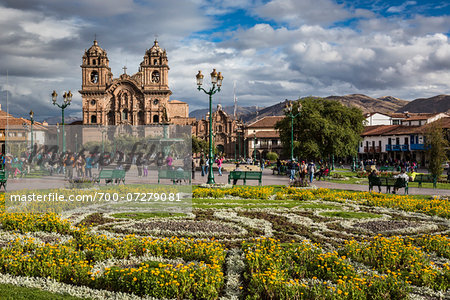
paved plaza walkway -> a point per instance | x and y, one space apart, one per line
58 181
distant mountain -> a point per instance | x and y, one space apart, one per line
241 111
387 104
67 120
436 104
274 110
367 104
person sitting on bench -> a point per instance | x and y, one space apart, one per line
373 176
236 169
402 175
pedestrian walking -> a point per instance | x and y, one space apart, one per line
291 167
311 170
194 165
202 165
219 165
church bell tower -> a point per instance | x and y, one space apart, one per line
155 68
96 73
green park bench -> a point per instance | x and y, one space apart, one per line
245 175
425 178
389 169
174 175
381 181
3 179
107 175
119 176
388 182
398 183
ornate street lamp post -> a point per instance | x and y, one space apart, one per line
67 99
31 130
25 125
57 136
292 116
255 141
216 79
103 130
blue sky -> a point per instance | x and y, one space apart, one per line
272 49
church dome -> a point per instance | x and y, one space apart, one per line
96 50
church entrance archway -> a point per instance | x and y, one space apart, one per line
220 149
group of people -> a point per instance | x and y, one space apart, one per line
403 175
204 164
303 170
81 165
407 165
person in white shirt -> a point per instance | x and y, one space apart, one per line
401 175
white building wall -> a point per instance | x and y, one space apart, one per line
378 119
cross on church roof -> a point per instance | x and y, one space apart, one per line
124 69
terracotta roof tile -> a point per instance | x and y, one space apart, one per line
266 122
378 129
265 134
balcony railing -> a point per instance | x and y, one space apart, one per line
417 147
404 147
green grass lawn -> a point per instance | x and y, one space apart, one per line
146 215
349 214
12 292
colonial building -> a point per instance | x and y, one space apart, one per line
15 134
142 98
228 135
404 139
262 137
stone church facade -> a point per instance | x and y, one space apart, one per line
228 133
139 99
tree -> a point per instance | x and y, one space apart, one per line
323 128
436 144
272 156
199 145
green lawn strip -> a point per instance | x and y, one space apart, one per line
350 180
146 215
345 173
318 206
13 292
225 205
349 214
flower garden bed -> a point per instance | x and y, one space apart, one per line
241 242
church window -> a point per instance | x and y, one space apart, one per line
155 119
93 102
220 128
94 62
155 76
93 119
125 114
155 61
155 102
141 115
94 76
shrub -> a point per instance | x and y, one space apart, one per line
272 156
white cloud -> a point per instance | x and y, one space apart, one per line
303 12
401 8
